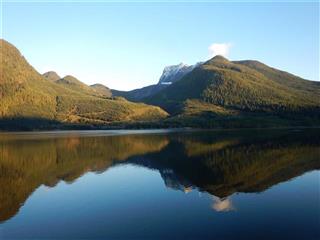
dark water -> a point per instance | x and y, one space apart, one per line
158 185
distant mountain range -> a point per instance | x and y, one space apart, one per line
170 74
74 84
215 93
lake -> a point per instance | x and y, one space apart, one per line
235 184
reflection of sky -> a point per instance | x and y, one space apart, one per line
130 202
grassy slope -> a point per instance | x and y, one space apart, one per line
51 76
102 90
26 94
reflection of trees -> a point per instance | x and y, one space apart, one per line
236 162
219 163
26 164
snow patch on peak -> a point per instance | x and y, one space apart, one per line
174 73
174 68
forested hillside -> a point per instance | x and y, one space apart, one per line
26 95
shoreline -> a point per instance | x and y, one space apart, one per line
129 131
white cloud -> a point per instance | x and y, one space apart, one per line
222 49
222 205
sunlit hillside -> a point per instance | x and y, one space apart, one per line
25 94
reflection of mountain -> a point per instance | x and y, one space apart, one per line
26 164
220 163
235 162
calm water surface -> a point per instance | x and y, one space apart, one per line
160 185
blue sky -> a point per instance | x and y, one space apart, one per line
127 45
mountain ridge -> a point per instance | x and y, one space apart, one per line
102 89
27 95
51 75
240 86
216 93
170 74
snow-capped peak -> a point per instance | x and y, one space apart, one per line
174 73
173 68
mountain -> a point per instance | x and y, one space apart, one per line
137 95
51 75
74 84
217 93
169 75
101 89
239 87
174 73
26 95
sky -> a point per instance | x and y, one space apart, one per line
126 45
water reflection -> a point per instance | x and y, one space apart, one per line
219 163
222 204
